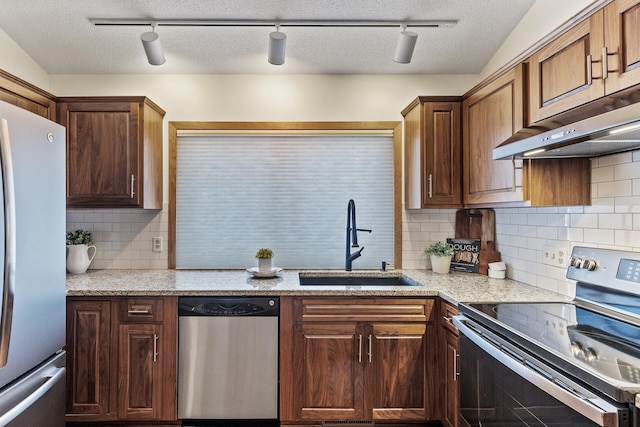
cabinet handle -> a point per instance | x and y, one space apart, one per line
447 319
133 180
430 186
155 347
359 348
370 348
456 374
589 72
138 312
605 63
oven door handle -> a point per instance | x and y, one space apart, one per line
597 410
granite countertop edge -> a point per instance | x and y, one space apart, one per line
453 287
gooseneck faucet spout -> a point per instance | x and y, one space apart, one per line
352 236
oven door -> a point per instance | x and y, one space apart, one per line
502 385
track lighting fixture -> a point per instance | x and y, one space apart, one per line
153 47
405 46
278 40
277 44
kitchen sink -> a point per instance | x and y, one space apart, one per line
355 280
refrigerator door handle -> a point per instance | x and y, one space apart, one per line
57 374
8 279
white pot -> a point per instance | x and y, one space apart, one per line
78 259
440 264
265 264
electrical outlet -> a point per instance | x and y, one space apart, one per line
556 255
156 244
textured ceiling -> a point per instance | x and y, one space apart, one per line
59 36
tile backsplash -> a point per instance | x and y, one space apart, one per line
534 242
123 237
531 240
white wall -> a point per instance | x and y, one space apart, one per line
14 60
542 19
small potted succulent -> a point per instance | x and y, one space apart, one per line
265 257
78 244
440 256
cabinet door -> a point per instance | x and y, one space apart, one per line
89 360
139 374
102 153
396 371
433 153
451 393
622 41
328 360
491 115
443 151
567 72
147 364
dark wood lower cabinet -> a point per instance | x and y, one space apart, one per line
356 359
121 360
450 388
89 361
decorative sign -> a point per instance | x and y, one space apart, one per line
466 255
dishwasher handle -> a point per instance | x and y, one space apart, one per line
228 306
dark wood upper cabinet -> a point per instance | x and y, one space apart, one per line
433 150
622 41
491 114
597 57
114 152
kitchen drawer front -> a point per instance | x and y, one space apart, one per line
447 311
141 310
364 309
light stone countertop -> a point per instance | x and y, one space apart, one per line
453 287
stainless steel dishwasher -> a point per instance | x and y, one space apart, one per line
228 360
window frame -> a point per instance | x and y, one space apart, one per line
396 126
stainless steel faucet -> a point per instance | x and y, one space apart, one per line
352 236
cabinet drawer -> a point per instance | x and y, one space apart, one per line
363 309
447 311
133 310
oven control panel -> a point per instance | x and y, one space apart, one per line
605 267
629 269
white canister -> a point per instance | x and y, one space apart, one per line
497 270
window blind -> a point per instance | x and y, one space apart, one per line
238 193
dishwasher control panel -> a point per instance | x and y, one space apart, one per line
228 306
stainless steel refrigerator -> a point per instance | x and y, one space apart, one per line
32 270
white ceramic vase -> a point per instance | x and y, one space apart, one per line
265 264
440 264
78 259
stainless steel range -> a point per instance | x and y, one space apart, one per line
557 364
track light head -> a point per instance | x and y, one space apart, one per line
405 46
153 47
277 44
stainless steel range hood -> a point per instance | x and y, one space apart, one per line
607 133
